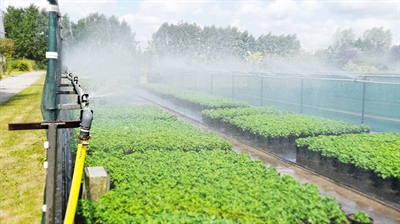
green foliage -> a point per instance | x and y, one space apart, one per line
281 45
343 48
6 47
202 99
254 58
148 128
215 44
228 113
361 54
97 30
351 66
394 54
360 217
275 123
378 152
21 65
376 41
24 65
27 27
189 176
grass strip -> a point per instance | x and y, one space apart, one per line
21 158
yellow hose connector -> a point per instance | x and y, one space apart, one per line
76 183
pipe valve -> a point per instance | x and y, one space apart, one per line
86 124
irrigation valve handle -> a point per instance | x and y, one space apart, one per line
86 124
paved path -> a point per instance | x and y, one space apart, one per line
14 84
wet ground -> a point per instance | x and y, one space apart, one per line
350 199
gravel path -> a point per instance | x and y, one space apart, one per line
14 84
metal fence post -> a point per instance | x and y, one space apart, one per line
301 96
262 91
211 83
49 100
51 183
363 104
233 86
195 81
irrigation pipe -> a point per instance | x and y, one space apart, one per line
76 182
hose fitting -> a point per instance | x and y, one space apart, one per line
86 124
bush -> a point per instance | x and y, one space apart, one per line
20 65
351 66
24 65
11 65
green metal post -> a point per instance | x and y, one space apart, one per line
49 98
49 112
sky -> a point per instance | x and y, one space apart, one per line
313 21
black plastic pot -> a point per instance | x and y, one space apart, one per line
371 221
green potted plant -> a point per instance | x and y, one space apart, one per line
360 217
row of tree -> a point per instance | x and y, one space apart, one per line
212 43
27 28
376 43
96 30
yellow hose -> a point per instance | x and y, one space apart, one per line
76 183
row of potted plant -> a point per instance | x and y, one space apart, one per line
166 171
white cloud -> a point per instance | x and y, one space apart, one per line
236 23
80 9
170 7
279 10
366 9
316 34
23 3
144 26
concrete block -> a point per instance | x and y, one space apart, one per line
96 183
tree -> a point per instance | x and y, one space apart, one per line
27 27
281 45
96 31
394 53
6 50
204 44
343 47
66 31
376 42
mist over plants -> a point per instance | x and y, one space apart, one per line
106 45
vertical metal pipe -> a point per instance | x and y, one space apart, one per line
49 101
49 113
212 84
195 81
233 86
262 91
363 104
51 176
301 96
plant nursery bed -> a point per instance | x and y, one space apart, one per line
192 100
282 146
367 181
164 170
